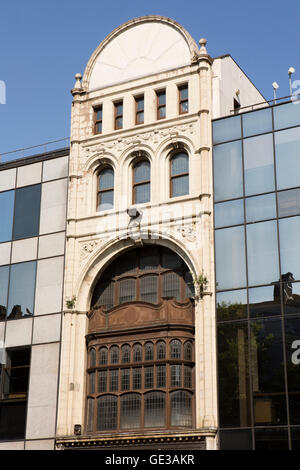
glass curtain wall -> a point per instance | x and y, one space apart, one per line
257 248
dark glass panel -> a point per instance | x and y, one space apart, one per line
4 274
179 164
126 353
180 186
130 416
176 375
181 409
188 351
114 380
142 171
155 410
149 378
257 122
149 352
240 439
289 235
230 258
229 213
103 295
232 305
124 265
188 377
291 295
265 301
171 285
105 201
106 179
175 349
233 367
271 439
90 413
295 434
287 145
125 379
227 129
107 413
102 381
288 202
92 358
21 290
160 376
137 353
161 350
292 344
103 356
92 382
259 164
27 212
114 355
262 250
137 378
260 208
13 420
228 175
142 193
171 260
149 289
7 214
149 261
267 372
189 286
127 290
286 115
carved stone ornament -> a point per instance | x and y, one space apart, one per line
87 248
188 232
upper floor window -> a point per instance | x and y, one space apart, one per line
139 109
105 194
119 115
161 104
183 99
141 182
98 120
179 174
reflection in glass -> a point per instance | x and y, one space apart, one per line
257 122
292 345
229 213
230 258
288 202
21 290
287 115
7 213
240 439
27 212
232 305
4 272
262 250
271 439
264 301
259 164
227 129
291 296
287 147
234 396
260 208
228 178
289 230
267 372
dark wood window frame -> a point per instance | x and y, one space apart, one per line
161 106
98 121
139 112
118 116
180 175
183 101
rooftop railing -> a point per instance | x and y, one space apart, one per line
34 150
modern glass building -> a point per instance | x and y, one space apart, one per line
256 162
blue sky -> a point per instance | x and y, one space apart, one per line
43 44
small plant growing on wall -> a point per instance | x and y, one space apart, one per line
71 303
200 283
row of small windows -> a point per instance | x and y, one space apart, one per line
110 412
138 352
137 378
179 181
161 104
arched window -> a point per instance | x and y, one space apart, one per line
92 357
114 355
188 351
105 194
160 350
179 183
125 353
141 182
175 349
102 356
137 353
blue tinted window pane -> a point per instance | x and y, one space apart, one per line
228 175
289 202
262 253
4 272
287 115
257 122
21 290
106 179
179 164
229 213
287 146
106 201
142 193
259 164
180 186
232 305
289 234
6 215
260 208
227 129
230 258
264 301
27 212
142 172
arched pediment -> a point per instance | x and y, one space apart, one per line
140 47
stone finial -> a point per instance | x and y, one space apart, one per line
78 78
203 43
